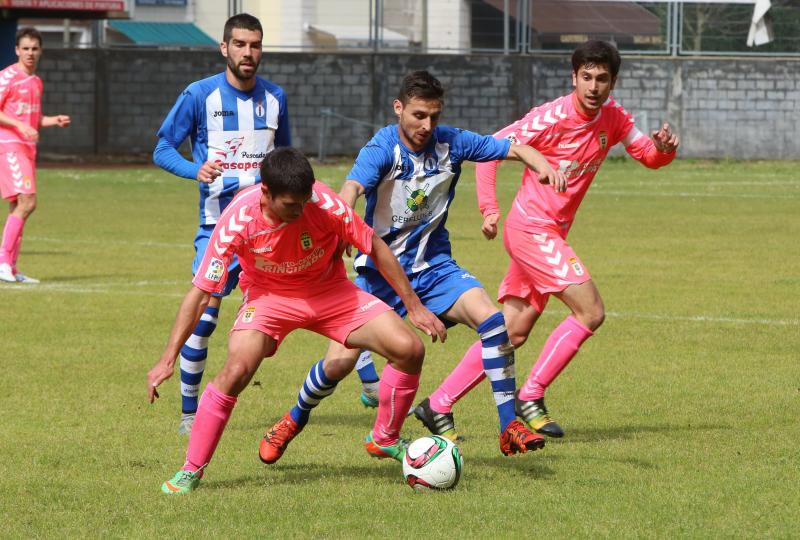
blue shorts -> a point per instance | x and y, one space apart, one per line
438 287
200 244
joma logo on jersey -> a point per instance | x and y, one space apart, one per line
417 199
218 114
305 241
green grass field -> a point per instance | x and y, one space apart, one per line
681 413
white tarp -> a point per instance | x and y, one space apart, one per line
760 27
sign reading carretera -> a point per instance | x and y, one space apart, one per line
78 5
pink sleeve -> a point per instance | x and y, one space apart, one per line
637 144
642 149
529 130
486 184
348 225
5 85
213 270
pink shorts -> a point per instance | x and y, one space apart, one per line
541 263
17 171
334 311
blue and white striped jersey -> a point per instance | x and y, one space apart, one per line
409 193
225 125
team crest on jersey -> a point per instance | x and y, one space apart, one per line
215 269
247 316
576 266
417 199
603 137
27 182
430 163
260 110
305 241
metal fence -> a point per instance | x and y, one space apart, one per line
496 26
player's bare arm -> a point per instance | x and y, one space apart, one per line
192 307
59 120
27 131
418 314
665 141
209 172
536 161
350 192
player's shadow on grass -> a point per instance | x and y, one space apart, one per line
323 423
530 464
582 435
305 473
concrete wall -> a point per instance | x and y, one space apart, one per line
722 107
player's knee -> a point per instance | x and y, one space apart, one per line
338 367
594 317
408 352
517 337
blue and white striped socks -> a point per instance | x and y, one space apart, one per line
498 363
193 359
316 387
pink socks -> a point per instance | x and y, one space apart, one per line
559 349
466 375
212 415
395 396
12 236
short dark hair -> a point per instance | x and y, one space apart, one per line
420 85
596 52
287 170
244 21
29 32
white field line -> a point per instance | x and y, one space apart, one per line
119 289
187 245
685 194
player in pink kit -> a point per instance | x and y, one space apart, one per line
286 233
20 120
575 133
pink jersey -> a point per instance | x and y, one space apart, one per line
20 98
572 142
292 259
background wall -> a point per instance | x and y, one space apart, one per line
722 107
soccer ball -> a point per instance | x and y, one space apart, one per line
432 463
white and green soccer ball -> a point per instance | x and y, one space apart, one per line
432 463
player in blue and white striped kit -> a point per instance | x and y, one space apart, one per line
232 119
408 173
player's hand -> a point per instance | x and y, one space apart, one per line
557 179
62 120
489 227
665 141
29 133
160 373
209 172
425 320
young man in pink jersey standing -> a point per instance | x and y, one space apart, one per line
20 120
286 233
575 133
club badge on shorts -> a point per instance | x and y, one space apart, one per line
576 266
215 269
247 316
